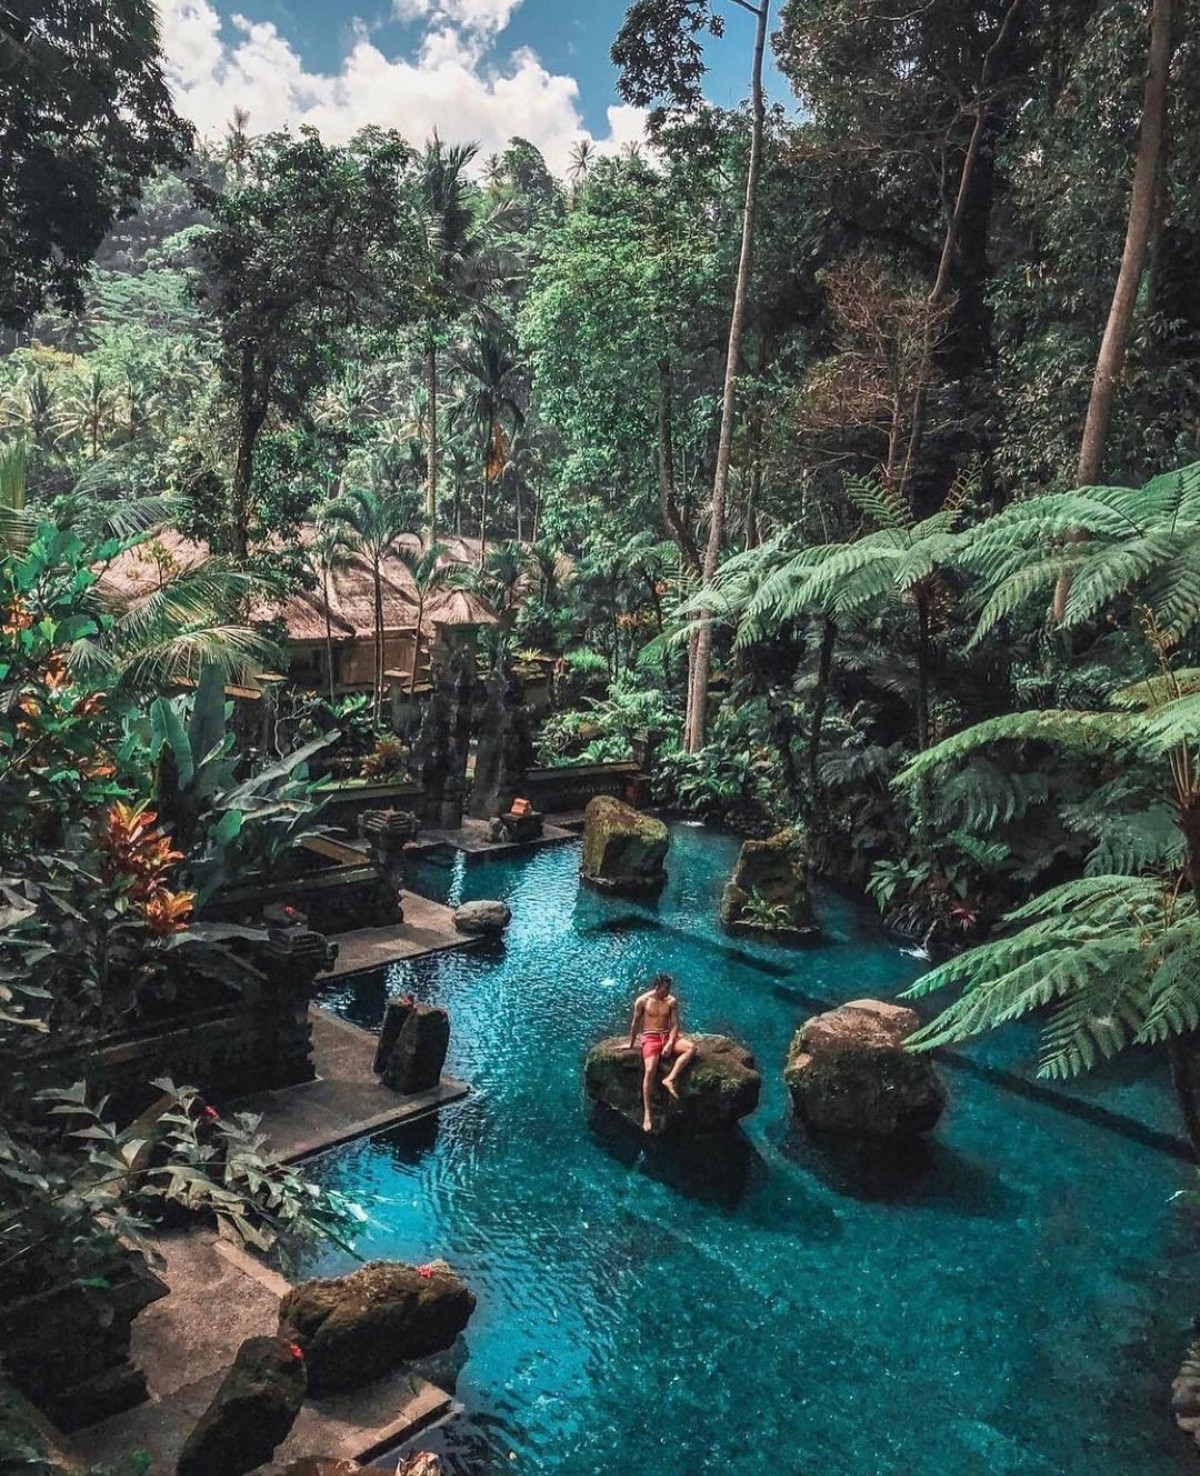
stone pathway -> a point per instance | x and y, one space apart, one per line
220 1295
428 927
472 838
346 1101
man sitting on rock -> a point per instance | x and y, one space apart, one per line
656 1015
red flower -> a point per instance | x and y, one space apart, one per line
425 1272
212 1114
296 1351
408 1000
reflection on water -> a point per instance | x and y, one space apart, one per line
1010 1299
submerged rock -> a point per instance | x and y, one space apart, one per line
412 1046
624 851
482 919
848 1072
719 1087
425 1463
251 1413
768 892
1185 1394
356 1328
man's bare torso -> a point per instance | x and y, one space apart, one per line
657 1014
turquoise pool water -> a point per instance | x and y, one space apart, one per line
1011 1303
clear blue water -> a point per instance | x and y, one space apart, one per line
1013 1302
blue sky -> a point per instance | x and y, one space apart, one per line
480 68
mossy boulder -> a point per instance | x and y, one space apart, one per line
624 851
251 1413
720 1086
848 1073
357 1328
768 892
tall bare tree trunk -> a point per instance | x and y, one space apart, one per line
937 292
379 662
431 456
1110 362
673 521
483 513
412 681
328 633
697 716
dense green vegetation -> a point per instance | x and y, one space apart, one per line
851 460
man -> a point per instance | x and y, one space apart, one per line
656 1016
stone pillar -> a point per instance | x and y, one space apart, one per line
443 745
291 957
505 750
388 832
412 1046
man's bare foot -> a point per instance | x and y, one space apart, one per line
647 1124
669 1086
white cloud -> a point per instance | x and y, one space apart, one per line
457 83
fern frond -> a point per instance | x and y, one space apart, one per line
883 504
1110 572
1079 732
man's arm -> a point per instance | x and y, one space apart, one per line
673 1026
639 1009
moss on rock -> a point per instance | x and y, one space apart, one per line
624 851
356 1328
768 892
848 1072
720 1086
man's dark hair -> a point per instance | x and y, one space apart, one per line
660 979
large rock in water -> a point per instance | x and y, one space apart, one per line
624 851
356 1328
412 1046
719 1087
768 892
848 1072
251 1413
482 919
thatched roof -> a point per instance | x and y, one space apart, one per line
142 570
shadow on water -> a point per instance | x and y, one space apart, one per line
443 1369
408 1144
921 1172
716 1169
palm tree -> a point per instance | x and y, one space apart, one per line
31 408
493 374
14 524
327 553
192 619
580 162
87 413
455 269
373 520
430 571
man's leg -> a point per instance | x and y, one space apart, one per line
649 1072
684 1051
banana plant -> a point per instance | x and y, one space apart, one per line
228 827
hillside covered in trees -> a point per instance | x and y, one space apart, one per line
837 456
